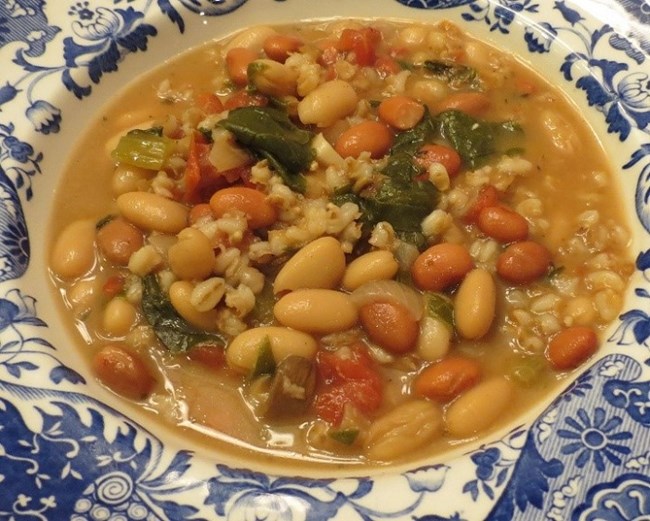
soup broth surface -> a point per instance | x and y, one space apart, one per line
358 242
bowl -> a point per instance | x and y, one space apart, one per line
71 450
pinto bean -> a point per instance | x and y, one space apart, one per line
390 325
523 262
472 103
367 136
448 378
278 47
259 212
118 240
237 61
441 266
502 224
401 112
571 347
123 371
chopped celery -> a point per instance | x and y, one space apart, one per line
527 370
344 436
265 363
440 306
143 149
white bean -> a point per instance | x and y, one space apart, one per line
478 408
252 38
375 265
434 339
475 304
321 311
73 254
328 103
406 428
243 350
153 212
180 295
319 264
119 317
192 257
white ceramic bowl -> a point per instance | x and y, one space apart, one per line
70 450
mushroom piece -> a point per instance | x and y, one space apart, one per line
292 387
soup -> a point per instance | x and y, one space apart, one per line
348 241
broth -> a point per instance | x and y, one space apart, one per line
491 251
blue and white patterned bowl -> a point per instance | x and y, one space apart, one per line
69 450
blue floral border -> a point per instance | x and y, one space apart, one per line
63 455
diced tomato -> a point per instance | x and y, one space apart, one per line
113 285
245 99
201 178
488 196
387 66
362 42
209 103
351 379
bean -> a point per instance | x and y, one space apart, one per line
571 347
321 311
477 409
180 294
523 262
252 38
401 112
243 350
502 224
446 156
408 427
119 317
82 295
487 196
319 264
428 91
475 304
153 212
272 78
367 136
472 103
73 254
278 47
434 339
237 61
118 240
390 325
200 212
192 257
210 356
441 266
259 212
123 371
328 103
374 265
445 380
127 178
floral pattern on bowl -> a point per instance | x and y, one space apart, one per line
66 454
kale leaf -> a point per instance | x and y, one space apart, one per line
270 134
454 74
174 332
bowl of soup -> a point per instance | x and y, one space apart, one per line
297 261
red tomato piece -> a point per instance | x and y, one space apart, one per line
362 42
345 380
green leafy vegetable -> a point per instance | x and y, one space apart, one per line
264 363
174 332
441 307
455 74
269 133
344 436
144 149
473 139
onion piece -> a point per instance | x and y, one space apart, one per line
389 291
